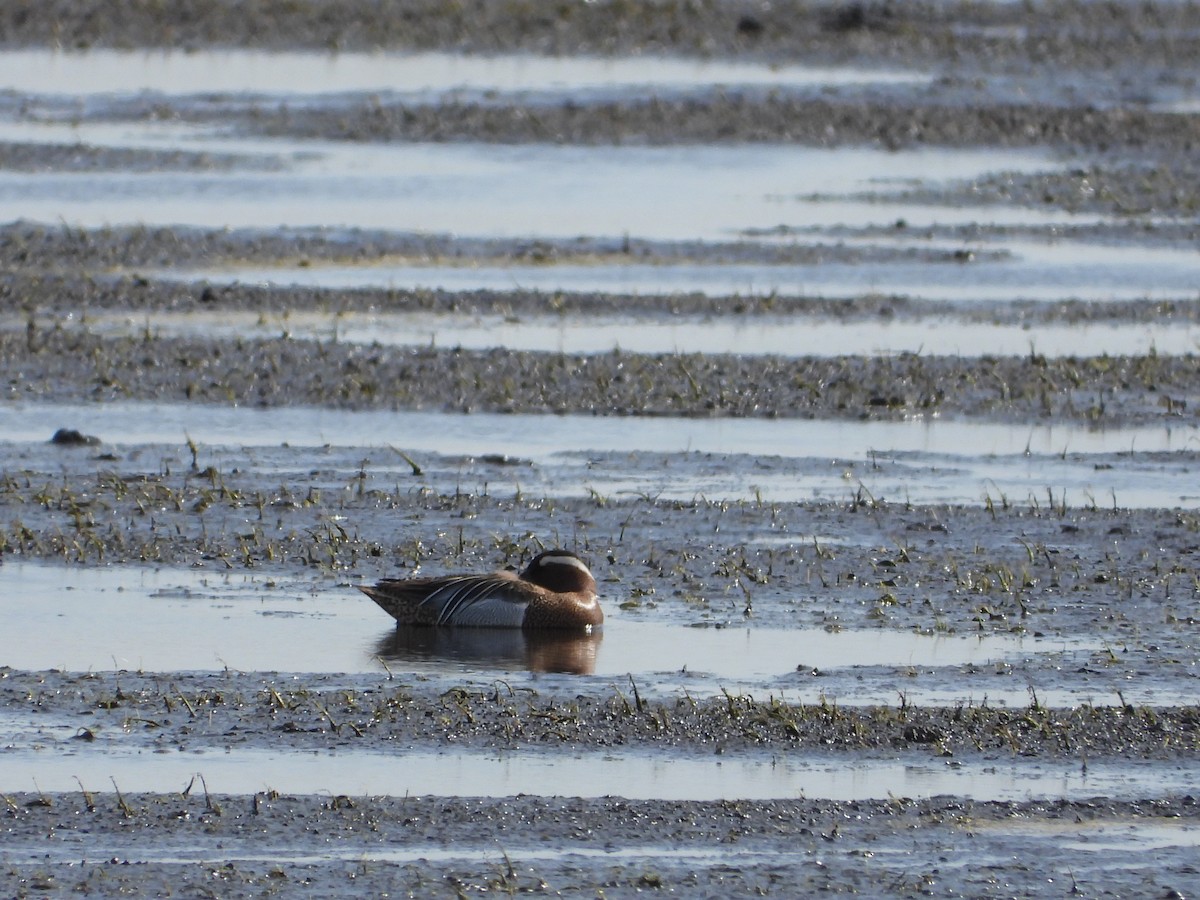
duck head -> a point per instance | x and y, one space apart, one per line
560 571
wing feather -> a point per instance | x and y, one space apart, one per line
481 601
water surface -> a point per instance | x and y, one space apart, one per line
793 336
758 460
708 192
162 620
634 776
428 75
540 437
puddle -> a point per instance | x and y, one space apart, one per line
101 619
87 849
681 192
787 337
1101 836
176 620
632 646
542 438
430 75
633 776
922 478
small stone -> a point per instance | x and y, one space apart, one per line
69 437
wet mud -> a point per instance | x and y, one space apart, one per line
1103 87
1066 35
194 713
25 157
68 365
730 848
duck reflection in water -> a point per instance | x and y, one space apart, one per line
569 653
548 616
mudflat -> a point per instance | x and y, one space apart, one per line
1099 595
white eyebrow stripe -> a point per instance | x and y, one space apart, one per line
565 561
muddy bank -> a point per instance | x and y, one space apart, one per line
46 299
69 364
1066 33
30 248
186 713
890 123
47 272
945 115
428 847
24 157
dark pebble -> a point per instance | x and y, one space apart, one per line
69 437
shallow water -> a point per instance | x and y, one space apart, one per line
542 438
707 192
769 335
474 774
918 461
1102 836
163 620
95 851
429 75
1079 480
1122 845
1115 838
1058 271
171 620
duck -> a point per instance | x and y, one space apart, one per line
555 591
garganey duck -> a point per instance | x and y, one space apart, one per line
556 590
